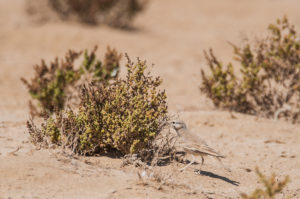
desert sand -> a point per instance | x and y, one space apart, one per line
171 34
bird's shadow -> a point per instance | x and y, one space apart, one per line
212 175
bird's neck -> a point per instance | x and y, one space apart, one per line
180 131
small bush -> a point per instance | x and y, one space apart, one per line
116 13
95 71
272 187
52 84
270 70
125 115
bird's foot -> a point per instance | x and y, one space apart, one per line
197 171
181 170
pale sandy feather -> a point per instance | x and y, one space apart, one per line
193 144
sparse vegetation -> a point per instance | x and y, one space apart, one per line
272 187
161 152
270 71
125 116
54 83
96 71
116 13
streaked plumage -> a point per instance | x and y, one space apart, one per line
192 144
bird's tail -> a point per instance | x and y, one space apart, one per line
221 156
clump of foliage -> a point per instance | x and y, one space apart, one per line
125 116
116 13
270 71
49 83
96 71
52 84
272 187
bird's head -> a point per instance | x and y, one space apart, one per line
178 124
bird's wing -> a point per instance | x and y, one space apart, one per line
192 138
201 148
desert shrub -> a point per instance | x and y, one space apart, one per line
52 84
270 71
125 116
95 71
116 13
161 152
272 187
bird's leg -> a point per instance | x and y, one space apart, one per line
202 162
193 160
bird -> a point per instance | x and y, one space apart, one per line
193 145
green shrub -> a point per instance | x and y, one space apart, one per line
270 76
125 115
116 13
52 84
272 187
101 72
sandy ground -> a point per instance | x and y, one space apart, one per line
171 34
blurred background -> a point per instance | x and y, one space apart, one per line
171 34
